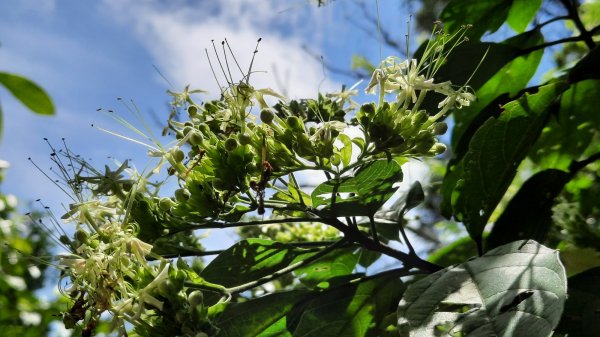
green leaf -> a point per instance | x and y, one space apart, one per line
583 305
477 183
367 190
521 13
528 215
251 259
498 88
29 93
337 263
263 316
484 16
515 290
346 151
352 310
570 135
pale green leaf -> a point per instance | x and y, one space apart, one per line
29 93
515 290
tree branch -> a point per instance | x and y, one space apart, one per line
354 235
571 7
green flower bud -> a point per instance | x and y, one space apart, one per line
81 235
419 118
188 123
251 125
195 298
438 148
182 195
178 156
295 123
165 204
440 128
64 240
187 130
196 138
204 128
231 144
423 146
266 116
244 139
192 111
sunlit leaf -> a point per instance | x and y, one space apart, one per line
521 13
251 259
264 316
352 310
29 93
495 152
515 290
362 194
337 263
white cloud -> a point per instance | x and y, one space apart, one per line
177 39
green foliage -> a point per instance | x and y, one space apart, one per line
29 93
517 289
523 164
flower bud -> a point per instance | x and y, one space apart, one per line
187 130
438 148
204 128
266 116
165 204
440 128
178 156
81 235
182 195
419 118
244 139
195 298
192 111
231 144
196 138
295 123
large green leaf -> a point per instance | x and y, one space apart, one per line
515 290
337 263
251 259
29 93
484 16
477 183
529 213
352 310
582 307
499 88
364 193
263 316
521 13
569 135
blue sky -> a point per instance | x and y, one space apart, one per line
86 54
